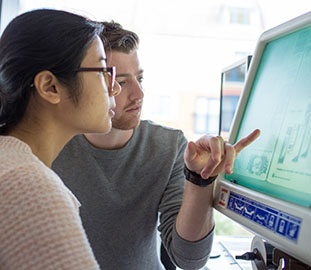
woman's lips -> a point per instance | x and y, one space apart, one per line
111 113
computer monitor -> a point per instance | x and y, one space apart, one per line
269 191
232 83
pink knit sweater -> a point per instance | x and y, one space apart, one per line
40 227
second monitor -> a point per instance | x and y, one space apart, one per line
232 83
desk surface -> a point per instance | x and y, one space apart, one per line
224 250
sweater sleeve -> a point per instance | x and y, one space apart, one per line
40 224
185 254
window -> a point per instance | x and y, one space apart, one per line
162 108
239 15
206 116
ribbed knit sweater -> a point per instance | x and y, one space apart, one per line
40 227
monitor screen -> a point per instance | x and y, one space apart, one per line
279 104
269 191
232 83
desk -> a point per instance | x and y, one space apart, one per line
224 250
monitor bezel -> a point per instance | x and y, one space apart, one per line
300 249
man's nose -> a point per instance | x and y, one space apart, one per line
136 91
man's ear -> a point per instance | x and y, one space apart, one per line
47 86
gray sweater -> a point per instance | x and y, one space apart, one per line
123 192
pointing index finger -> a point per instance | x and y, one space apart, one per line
241 144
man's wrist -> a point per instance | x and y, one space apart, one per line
196 178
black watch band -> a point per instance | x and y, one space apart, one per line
196 179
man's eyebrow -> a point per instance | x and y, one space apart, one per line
128 75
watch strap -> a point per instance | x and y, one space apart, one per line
196 178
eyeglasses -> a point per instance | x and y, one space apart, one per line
108 72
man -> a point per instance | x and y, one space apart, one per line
124 179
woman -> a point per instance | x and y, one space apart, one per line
54 84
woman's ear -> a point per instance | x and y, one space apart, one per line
47 86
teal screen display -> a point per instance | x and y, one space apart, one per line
279 104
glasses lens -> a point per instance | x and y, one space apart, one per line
110 76
107 76
113 76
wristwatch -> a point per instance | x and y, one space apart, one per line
196 179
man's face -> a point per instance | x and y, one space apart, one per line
129 102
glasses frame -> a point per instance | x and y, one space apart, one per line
111 71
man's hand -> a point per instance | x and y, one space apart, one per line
211 155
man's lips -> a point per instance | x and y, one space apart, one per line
135 108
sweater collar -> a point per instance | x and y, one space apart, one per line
9 142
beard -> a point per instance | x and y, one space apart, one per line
125 123
125 120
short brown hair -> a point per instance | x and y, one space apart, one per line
115 38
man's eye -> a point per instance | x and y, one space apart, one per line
122 83
140 79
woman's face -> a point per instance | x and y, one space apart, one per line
94 111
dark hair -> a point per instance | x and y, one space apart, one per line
40 40
115 38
